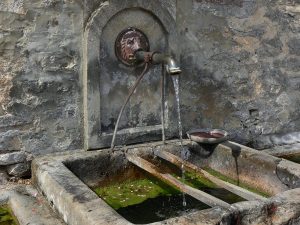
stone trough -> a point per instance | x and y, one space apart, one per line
290 152
24 205
66 180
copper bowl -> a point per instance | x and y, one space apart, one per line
208 136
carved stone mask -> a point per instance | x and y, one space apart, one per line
128 42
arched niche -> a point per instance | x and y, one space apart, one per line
106 81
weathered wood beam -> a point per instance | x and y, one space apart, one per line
248 195
169 179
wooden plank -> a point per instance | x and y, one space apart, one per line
169 179
248 195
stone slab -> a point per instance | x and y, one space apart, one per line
12 158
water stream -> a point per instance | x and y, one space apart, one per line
175 79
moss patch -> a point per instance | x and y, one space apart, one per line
199 182
6 217
133 192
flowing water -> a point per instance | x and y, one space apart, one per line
175 79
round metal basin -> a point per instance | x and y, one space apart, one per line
207 136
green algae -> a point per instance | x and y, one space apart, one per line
200 182
133 192
197 181
6 216
232 181
143 199
293 158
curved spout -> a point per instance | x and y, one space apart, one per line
171 66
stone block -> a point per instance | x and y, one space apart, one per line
9 141
3 177
270 140
19 170
7 121
294 46
12 158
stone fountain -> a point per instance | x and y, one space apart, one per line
267 185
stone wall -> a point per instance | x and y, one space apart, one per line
40 96
241 63
241 66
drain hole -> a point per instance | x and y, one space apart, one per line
253 112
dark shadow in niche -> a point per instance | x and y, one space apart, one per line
236 152
203 150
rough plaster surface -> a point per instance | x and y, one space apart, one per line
240 65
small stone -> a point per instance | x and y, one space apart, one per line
3 178
12 158
19 170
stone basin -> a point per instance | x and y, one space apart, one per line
65 179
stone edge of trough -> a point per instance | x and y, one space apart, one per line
51 176
28 206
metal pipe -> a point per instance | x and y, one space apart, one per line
155 58
125 103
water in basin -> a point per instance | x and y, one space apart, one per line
140 198
6 217
199 182
143 199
